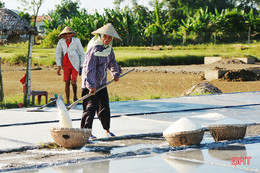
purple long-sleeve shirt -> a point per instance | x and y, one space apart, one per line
94 72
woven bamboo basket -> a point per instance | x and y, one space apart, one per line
227 132
184 138
70 137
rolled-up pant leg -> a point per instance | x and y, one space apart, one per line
99 103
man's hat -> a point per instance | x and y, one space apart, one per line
107 29
67 30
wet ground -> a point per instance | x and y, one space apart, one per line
139 145
147 153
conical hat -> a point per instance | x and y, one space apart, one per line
107 29
67 30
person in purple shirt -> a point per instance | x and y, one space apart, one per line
99 58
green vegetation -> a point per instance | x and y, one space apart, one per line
168 22
11 102
187 30
15 54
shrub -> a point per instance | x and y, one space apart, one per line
52 38
18 59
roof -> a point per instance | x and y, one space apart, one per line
12 23
42 18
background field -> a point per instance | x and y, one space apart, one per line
134 86
138 56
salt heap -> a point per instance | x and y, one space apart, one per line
210 116
182 124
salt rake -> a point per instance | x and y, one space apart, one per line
61 105
43 106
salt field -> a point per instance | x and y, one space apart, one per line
139 145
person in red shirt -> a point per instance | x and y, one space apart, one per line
70 56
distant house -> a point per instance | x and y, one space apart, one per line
40 24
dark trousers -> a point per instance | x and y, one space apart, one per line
99 104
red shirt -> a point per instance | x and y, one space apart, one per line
66 61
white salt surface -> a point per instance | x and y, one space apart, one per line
210 116
229 121
54 151
181 125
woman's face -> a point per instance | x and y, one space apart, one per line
67 36
107 39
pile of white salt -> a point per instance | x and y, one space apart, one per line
181 125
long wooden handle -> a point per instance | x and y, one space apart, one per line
88 95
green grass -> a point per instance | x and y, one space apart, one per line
225 50
40 56
140 56
11 102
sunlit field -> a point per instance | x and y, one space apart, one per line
134 86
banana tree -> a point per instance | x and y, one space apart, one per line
216 20
201 21
84 24
185 27
125 22
52 22
234 26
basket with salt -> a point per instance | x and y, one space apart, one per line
228 129
65 135
183 132
70 137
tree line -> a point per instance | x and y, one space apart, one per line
167 22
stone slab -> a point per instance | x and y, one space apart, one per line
210 60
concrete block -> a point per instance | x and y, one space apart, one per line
214 74
210 60
247 60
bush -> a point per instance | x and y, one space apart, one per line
18 59
52 38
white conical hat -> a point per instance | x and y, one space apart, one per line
67 30
107 29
